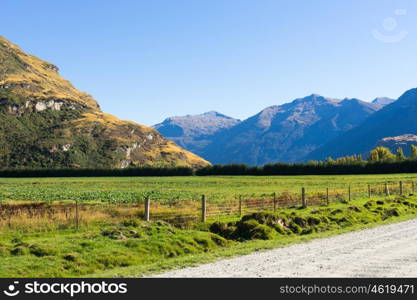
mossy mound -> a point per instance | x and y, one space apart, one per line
268 225
134 234
251 230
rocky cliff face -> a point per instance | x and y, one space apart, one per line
47 122
402 141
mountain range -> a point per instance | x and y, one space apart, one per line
46 122
395 119
195 132
282 133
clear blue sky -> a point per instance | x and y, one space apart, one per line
147 60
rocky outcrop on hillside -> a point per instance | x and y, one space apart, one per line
46 122
402 141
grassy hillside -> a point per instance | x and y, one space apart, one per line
46 122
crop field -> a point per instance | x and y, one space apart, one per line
164 189
52 203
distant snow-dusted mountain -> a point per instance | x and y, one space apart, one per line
195 132
286 133
395 119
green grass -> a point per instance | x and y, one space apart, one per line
106 246
229 252
365 219
132 189
130 247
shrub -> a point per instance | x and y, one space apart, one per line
19 250
40 251
295 228
218 228
130 223
70 257
261 232
313 221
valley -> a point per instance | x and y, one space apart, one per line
95 227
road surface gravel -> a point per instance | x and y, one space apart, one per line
384 251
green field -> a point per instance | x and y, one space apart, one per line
112 240
131 247
133 189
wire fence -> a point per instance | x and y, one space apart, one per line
182 212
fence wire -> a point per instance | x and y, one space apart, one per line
181 212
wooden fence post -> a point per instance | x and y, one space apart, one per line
203 208
240 205
401 187
303 197
77 220
369 191
275 201
327 196
386 189
146 216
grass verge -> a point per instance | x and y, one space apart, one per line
132 248
334 219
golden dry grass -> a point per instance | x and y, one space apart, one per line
40 75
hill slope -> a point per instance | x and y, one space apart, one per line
46 122
403 141
287 132
195 132
395 119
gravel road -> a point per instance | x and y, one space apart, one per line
385 251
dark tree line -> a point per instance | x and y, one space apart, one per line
70 172
321 168
380 161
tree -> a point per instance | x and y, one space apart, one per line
330 160
400 154
374 156
413 152
381 154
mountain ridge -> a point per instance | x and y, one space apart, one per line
194 132
383 101
46 122
285 132
395 119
